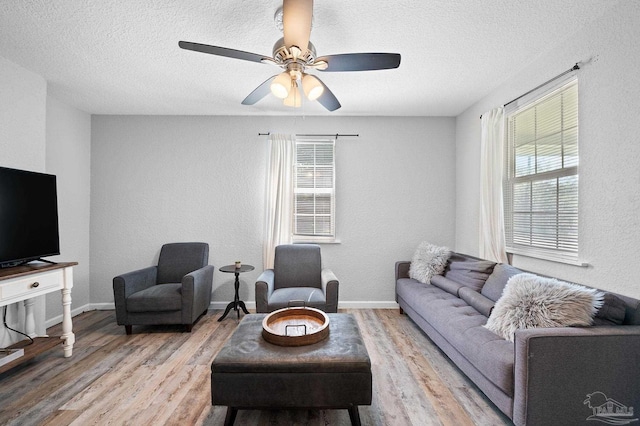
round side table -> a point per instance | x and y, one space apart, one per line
237 303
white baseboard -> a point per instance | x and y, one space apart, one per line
77 311
103 306
368 305
222 305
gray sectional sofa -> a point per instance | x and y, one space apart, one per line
547 376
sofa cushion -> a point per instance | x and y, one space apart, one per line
494 285
531 301
446 284
428 260
482 304
311 296
157 298
471 274
612 311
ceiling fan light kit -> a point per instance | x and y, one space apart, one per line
280 85
312 87
295 54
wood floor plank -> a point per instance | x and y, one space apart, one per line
161 375
399 384
449 410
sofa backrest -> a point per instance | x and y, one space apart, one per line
494 285
452 281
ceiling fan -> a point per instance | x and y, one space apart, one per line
296 54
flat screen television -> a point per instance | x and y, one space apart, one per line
28 216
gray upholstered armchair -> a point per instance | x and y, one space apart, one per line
297 274
177 291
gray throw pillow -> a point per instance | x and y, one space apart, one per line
494 286
471 274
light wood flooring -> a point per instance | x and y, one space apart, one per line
160 375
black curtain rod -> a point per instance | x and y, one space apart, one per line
573 68
309 134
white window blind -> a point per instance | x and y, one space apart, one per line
541 186
314 190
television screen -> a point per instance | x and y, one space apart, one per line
28 216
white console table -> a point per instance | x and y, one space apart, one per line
23 283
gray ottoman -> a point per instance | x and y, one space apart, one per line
250 373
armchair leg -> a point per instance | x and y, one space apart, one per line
188 328
128 329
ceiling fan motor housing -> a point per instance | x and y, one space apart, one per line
284 55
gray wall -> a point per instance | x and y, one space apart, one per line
162 179
609 144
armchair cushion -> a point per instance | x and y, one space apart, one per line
311 296
157 298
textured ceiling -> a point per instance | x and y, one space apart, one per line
122 56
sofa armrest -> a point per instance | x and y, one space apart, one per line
264 288
557 369
196 293
402 269
330 289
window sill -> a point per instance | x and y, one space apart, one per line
317 241
552 257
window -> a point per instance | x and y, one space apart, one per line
314 191
541 179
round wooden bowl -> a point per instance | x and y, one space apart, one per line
295 326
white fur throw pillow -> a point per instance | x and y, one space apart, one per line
530 301
427 261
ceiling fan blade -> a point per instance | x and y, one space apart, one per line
259 92
360 61
296 22
328 99
222 51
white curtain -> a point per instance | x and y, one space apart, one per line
492 242
278 195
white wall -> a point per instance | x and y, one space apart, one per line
22 146
609 138
163 179
68 156
41 134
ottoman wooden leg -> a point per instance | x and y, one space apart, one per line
231 416
354 414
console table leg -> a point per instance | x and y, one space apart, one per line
230 418
29 318
354 415
67 334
